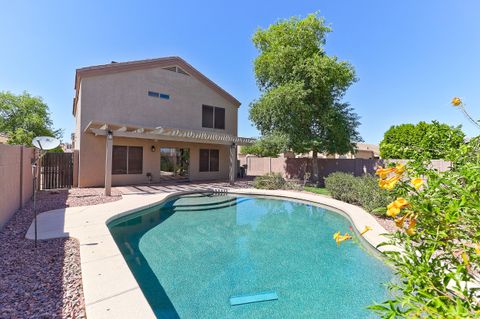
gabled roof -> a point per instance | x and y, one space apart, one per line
116 67
369 147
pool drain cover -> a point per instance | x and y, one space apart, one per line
251 298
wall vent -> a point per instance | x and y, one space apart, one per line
176 69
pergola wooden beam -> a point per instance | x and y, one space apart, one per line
170 134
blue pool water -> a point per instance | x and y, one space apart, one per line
191 254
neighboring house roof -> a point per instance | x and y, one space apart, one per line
116 67
3 138
369 147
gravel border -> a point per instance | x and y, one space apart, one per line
386 223
45 282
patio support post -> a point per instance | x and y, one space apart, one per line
233 163
108 164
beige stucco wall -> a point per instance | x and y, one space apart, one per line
16 179
122 98
92 171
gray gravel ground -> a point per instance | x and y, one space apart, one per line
45 282
386 222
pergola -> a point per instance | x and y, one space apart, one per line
162 133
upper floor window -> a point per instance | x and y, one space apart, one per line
213 117
160 95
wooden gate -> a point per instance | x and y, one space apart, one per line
56 171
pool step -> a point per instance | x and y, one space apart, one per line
209 206
220 200
258 297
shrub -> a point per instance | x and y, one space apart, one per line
269 181
342 187
370 196
274 181
362 191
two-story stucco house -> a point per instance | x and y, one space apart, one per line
152 120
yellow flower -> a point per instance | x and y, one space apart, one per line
401 202
411 225
383 172
400 221
456 101
382 183
417 182
393 211
399 169
367 228
466 259
339 238
477 249
389 183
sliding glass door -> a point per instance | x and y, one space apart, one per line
174 163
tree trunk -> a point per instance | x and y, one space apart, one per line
315 177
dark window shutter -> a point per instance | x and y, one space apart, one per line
220 118
204 161
214 160
207 116
119 160
135 160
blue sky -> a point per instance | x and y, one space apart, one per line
411 56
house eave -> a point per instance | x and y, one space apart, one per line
146 64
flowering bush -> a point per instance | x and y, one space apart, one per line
438 220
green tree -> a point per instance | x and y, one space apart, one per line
267 146
302 89
428 140
22 117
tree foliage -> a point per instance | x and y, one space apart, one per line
267 146
302 88
428 140
22 117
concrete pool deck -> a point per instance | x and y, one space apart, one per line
110 289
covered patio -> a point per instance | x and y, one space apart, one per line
174 138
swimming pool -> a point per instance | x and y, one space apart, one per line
191 254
